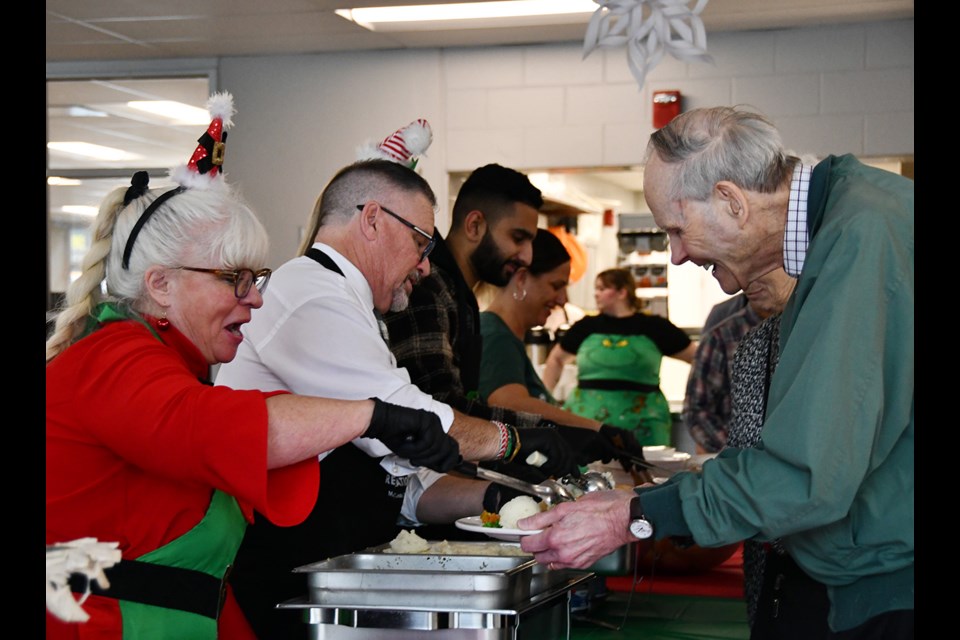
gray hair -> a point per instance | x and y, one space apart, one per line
721 143
357 183
198 226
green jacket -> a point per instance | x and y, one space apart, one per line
833 473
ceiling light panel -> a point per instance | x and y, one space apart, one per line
477 15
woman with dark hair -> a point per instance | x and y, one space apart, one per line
618 354
507 376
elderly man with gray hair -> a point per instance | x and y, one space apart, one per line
833 474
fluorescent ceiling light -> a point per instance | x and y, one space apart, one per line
76 111
178 112
80 210
57 181
472 14
95 151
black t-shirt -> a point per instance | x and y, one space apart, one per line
668 337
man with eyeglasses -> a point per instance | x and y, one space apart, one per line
320 330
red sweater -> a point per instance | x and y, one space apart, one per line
135 443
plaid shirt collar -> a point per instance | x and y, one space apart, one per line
796 237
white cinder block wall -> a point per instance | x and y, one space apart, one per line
832 89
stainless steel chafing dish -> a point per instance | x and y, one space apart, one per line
380 595
444 583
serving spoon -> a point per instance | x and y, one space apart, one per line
549 490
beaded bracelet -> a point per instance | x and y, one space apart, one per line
514 448
504 440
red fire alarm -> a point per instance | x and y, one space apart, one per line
666 107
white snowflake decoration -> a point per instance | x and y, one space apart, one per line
649 29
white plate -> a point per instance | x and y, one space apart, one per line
475 524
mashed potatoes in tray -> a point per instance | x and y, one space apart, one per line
409 542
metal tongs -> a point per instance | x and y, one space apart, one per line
550 491
643 464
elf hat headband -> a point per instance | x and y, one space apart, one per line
403 146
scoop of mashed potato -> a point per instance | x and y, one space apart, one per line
519 507
407 541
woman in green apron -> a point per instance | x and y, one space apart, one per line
618 354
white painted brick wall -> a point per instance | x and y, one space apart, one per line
890 44
868 91
782 95
822 49
833 89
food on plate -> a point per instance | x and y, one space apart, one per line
519 507
491 520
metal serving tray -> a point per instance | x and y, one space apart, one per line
420 582
540 617
541 578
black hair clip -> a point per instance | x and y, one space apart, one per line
138 187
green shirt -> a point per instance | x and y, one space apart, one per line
504 360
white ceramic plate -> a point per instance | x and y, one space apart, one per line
475 524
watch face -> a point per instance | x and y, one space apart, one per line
641 529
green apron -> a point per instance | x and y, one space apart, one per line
210 547
622 361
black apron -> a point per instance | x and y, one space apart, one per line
357 507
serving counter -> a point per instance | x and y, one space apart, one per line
381 595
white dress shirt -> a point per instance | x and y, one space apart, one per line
317 335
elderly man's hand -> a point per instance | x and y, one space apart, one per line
577 534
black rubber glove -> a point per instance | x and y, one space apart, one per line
587 444
414 434
561 459
624 440
496 496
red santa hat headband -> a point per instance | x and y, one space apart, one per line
204 170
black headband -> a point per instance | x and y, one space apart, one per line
139 183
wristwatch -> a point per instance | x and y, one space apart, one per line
640 527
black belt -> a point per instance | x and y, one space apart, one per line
617 385
159 586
